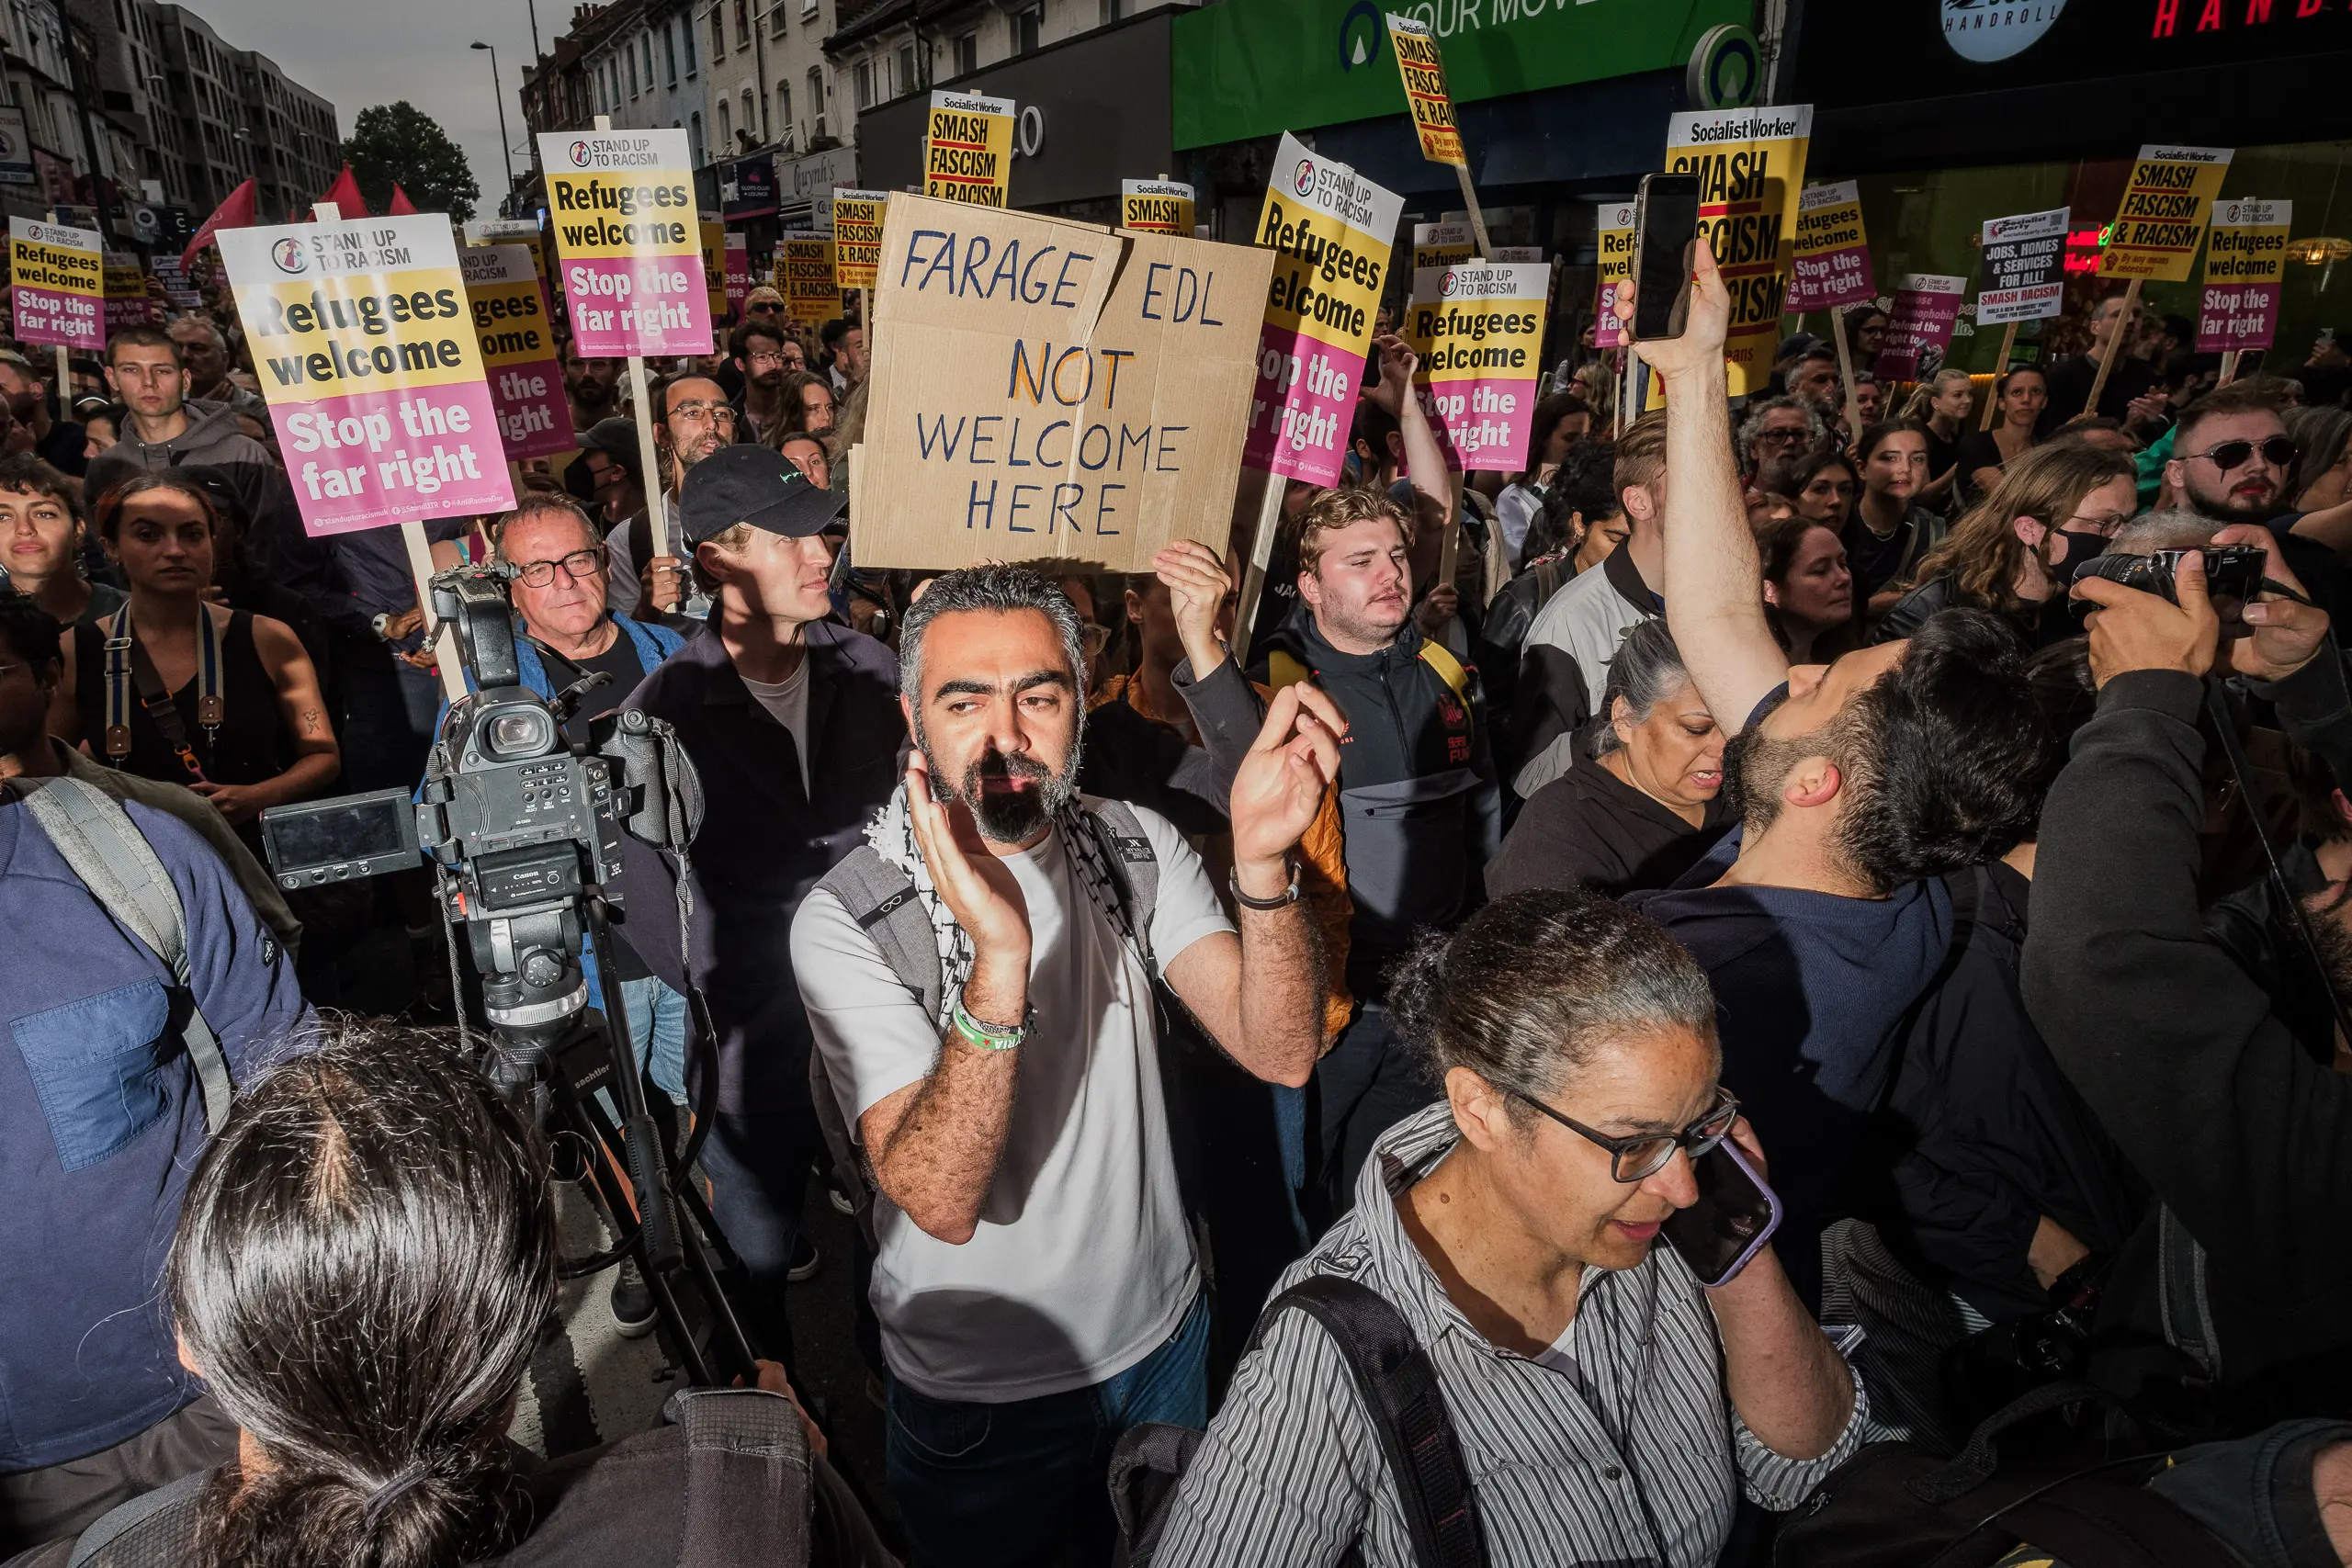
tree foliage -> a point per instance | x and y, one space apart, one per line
398 142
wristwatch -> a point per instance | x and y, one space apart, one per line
377 625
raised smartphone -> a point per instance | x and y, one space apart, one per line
1666 222
1734 1216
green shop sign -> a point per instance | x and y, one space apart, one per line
1254 67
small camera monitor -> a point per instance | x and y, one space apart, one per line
339 839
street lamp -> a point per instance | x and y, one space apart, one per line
506 148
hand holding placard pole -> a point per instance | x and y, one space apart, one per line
2114 344
2000 369
1846 375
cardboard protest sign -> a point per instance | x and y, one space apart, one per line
56 284
1927 307
804 275
857 235
629 243
373 374
2245 267
1829 264
737 259
1441 244
1750 164
712 234
2025 267
519 353
2162 220
1156 207
1478 329
1333 233
967 149
1614 228
1044 386
128 304
1425 95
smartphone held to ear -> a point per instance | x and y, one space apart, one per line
1666 225
1734 1216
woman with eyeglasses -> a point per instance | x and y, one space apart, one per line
1609 1408
2015 551
2019 397
222 700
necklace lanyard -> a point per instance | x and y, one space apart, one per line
126 661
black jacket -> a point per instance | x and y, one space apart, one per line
2047 622
1984 1135
2241 1134
763 843
1419 803
1589 829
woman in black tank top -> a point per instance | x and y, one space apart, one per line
221 701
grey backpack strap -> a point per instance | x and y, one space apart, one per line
881 899
1128 852
99 841
153 1528
746 1479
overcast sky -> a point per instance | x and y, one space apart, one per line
359 52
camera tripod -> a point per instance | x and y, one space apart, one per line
555 1063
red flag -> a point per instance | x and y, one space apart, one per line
237 212
402 206
345 193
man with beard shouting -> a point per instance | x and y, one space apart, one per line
979 981
793 728
1859 783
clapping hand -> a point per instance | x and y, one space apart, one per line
1280 785
978 888
1198 592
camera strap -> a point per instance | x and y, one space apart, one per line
2297 920
127 662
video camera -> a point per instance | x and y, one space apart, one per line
524 832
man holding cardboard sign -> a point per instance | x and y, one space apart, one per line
1048 388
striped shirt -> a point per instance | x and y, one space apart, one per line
1630 1454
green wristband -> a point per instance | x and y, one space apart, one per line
988 1036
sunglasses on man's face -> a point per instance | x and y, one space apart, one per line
2278 451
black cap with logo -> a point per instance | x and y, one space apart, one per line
744 483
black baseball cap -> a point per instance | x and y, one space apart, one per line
744 483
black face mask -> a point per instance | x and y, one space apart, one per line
2082 549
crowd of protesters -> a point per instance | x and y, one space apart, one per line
1797 778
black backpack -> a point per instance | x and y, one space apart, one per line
1400 1392
1896 1505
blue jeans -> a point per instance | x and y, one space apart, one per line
1002 1485
657 1032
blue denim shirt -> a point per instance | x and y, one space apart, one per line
100 1127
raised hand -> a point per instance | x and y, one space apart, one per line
1397 363
1199 590
1700 349
978 890
1279 788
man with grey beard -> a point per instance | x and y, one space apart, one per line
979 982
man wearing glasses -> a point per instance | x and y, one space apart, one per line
691 419
560 594
760 357
2231 455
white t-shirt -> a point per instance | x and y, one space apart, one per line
787 703
1083 1264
